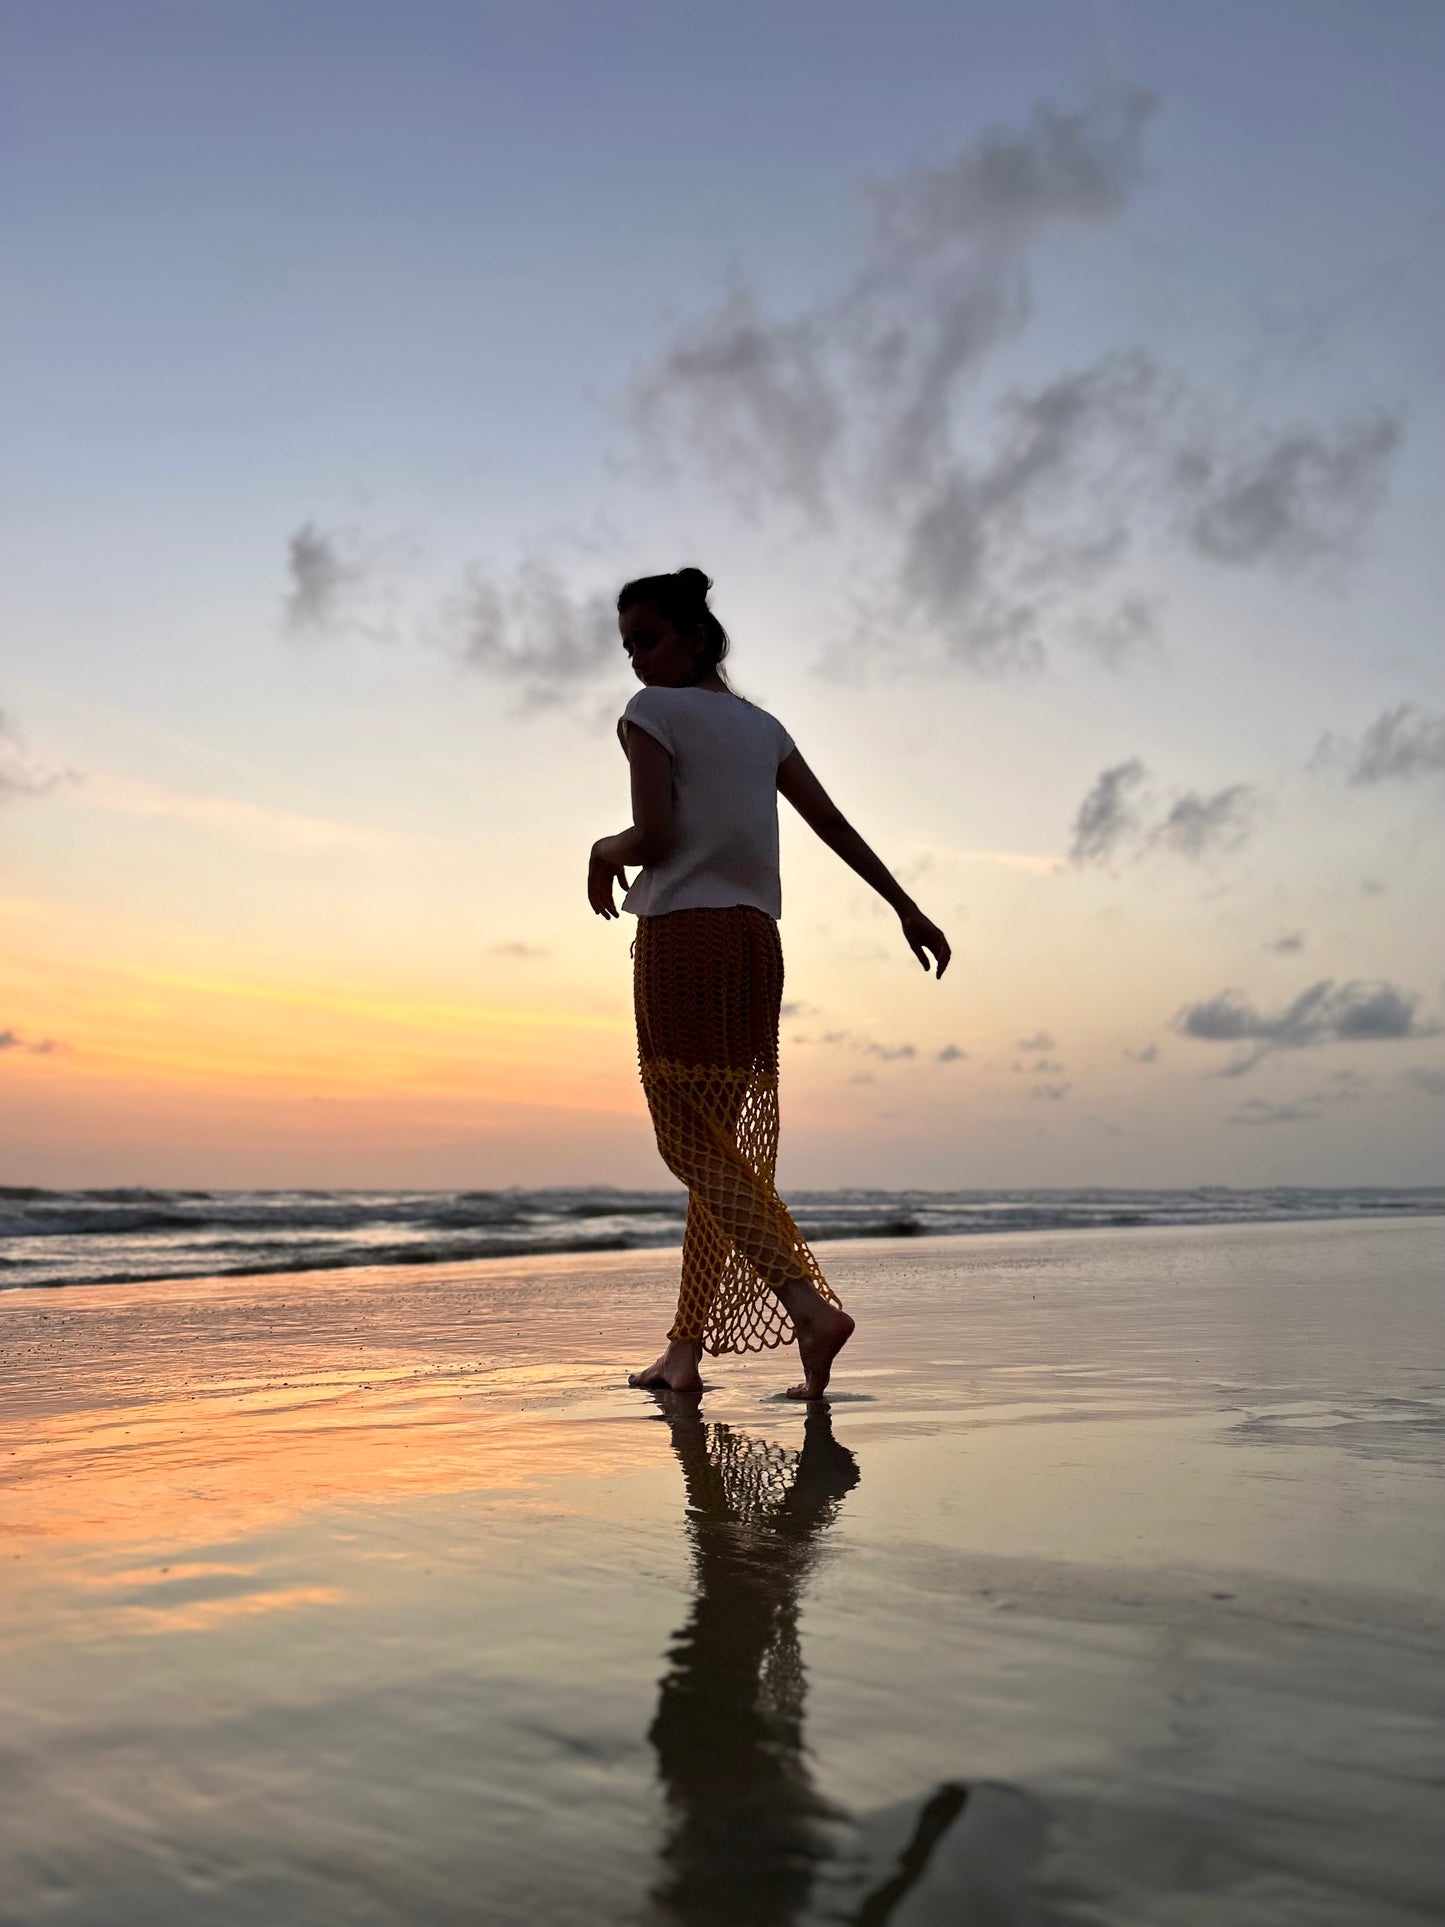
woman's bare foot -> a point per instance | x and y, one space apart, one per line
822 1330
675 1371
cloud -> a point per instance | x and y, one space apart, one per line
1035 862
851 401
1342 1087
1288 944
11 1040
1040 1040
1425 1077
253 823
321 579
1325 1013
1257 1111
20 774
1115 812
950 1054
532 630
1050 1093
520 950
868 1046
752 399
1197 825
1064 169
1291 499
1109 814
992 542
1146 1054
1401 745
1124 635
986 521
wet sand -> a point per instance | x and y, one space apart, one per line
1106 1588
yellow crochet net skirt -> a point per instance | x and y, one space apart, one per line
708 985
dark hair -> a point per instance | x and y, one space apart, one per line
681 599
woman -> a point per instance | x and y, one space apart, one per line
707 768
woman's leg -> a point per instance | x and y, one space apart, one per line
703 1257
708 990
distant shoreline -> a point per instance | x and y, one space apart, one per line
1035 1219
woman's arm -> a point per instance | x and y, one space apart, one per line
648 838
822 815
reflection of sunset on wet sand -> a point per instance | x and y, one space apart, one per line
278 1414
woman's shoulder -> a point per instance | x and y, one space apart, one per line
767 722
687 707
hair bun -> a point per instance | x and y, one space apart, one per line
695 582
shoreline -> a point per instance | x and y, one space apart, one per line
618 1248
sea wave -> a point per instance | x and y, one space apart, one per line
129 1234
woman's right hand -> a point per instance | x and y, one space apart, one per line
921 936
602 869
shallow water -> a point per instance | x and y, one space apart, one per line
1105 1589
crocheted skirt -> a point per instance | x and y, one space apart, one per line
708 985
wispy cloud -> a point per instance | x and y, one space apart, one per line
1196 825
1125 635
1146 1054
321 579
856 1041
1050 1093
11 1040
1426 1078
1287 945
1119 814
1109 815
532 630
850 406
950 1054
340 584
1036 862
253 823
1325 1013
1402 745
1257 1110
21 774
1039 1040
1344 1087
524 952
987 519
1293 498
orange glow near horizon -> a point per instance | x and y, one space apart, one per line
149 1026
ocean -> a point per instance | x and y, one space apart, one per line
96 1237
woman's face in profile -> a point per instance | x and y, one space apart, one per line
660 657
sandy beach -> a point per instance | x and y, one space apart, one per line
1106 1588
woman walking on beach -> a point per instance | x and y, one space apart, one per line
707 768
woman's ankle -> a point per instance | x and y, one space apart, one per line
799 1298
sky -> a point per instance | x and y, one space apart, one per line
1053 392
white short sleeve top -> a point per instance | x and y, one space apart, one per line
725 755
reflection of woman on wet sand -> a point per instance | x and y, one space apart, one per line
707 768
746 1822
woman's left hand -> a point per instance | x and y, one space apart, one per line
921 936
603 869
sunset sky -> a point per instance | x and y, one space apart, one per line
1054 392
